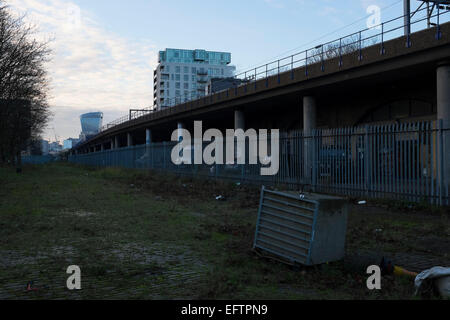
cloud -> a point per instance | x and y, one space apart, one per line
92 69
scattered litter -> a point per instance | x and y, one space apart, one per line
131 185
30 286
302 196
238 184
362 202
388 268
437 277
159 198
184 186
378 230
220 198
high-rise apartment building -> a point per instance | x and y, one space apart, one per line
182 75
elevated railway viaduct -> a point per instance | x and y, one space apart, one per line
381 83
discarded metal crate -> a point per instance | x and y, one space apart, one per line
308 229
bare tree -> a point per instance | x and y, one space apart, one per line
24 111
339 48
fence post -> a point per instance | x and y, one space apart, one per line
367 157
306 63
164 155
322 67
440 160
314 158
153 157
360 47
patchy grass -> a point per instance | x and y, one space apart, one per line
148 235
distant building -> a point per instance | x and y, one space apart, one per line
70 143
45 147
182 75
219 84
91 124
55 147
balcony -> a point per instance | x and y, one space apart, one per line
201 72
202 79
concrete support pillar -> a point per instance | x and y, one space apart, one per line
309 123
116 142
239 120
129 140
148 143
102 147
309 113
180 127
239 123
148 136
112 144
443 116
443 92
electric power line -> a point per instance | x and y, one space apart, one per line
320 38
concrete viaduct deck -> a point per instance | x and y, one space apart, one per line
324 94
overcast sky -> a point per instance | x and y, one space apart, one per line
104 51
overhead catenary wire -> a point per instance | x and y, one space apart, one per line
319 38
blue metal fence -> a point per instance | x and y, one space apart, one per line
38 159
402 161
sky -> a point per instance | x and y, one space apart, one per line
104 51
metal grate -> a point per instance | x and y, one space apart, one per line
285 226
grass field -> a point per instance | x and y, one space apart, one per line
144 235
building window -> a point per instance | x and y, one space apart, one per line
194 78
186 85
186 78
172 77
194 70
177 77
177 85
186 69
177 69
177 93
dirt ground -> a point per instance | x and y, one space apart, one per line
147 235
